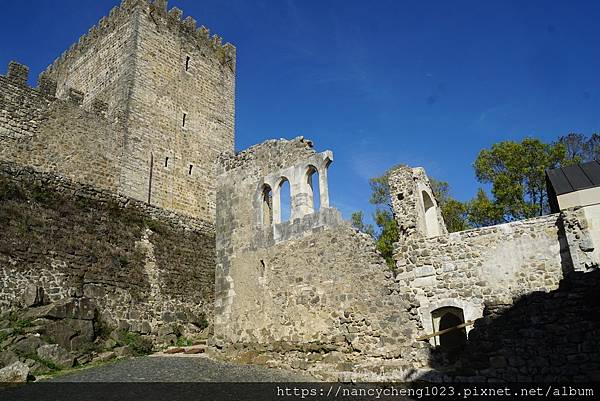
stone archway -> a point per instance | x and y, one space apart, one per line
447 318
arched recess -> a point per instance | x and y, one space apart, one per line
445 318
267 205
285 200
432 226
313 189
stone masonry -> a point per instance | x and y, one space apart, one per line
310 288
165 91
142 266
120 190
312 283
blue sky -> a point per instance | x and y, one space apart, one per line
426 83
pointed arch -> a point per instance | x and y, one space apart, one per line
432 226
313 189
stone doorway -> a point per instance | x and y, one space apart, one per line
445 318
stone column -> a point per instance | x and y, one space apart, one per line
323 188
301 200
277 203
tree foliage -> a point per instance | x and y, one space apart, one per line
453 211
516 171
383 216
482 211
359 224
580 148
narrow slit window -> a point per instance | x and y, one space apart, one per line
191 168
187 63
166 162
184 118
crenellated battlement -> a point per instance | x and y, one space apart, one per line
157 11
199 36
16 91
106 25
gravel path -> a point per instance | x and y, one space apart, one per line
181 369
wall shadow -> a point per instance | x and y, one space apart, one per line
543 336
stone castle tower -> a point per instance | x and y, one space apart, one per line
155 99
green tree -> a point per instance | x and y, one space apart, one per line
580 148
516 171
388 234
383 216
358 223
593 147
482 211
453 211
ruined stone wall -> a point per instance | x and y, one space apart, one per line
142 266
409 190
472 268
58 135
541 337
582 230
179 70
321 287
22 108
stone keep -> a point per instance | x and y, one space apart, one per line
166 88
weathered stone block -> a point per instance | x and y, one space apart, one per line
424 282
27 345
16 372
33 295
424 271
57 355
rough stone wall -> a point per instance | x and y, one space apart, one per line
541 337
143 266
324 283
21 110
163 91
582 230
489 265
58 135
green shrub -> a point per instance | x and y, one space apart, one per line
20 324
10 191
202 322
139 345
154 225
184 342
123 260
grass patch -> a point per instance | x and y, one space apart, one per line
3 337
157 226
